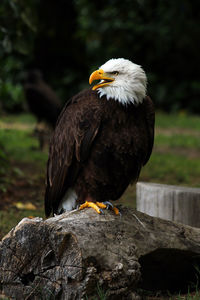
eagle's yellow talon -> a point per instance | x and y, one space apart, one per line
90 204
84 205
98 206
101 204
116 210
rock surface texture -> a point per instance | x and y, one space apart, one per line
76 254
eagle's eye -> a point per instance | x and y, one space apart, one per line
114 73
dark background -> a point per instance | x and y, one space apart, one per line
67 40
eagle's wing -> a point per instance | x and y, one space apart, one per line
150 121
70 146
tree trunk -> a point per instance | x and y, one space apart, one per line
169 202
80 254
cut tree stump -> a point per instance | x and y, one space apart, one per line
77 254
169 202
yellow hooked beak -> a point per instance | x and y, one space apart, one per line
100 75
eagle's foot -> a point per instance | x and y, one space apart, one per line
116 211
109 205
92 205
99 206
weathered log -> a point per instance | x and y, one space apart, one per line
69 256
169 202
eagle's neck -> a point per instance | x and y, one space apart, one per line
124 95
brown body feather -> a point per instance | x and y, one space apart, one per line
98 148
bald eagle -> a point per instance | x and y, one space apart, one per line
103 137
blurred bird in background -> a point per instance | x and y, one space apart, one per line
43 103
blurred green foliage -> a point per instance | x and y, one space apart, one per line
11 93
68 39
17 31
17 20
4 165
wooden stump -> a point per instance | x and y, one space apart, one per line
71 256
175 203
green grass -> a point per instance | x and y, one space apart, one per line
181 120
172 169
194 296
22 146
24 118
100 294
176 154
174 140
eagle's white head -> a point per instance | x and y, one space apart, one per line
121 80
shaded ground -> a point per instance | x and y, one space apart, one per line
177 131
26 186
24 195
193 153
